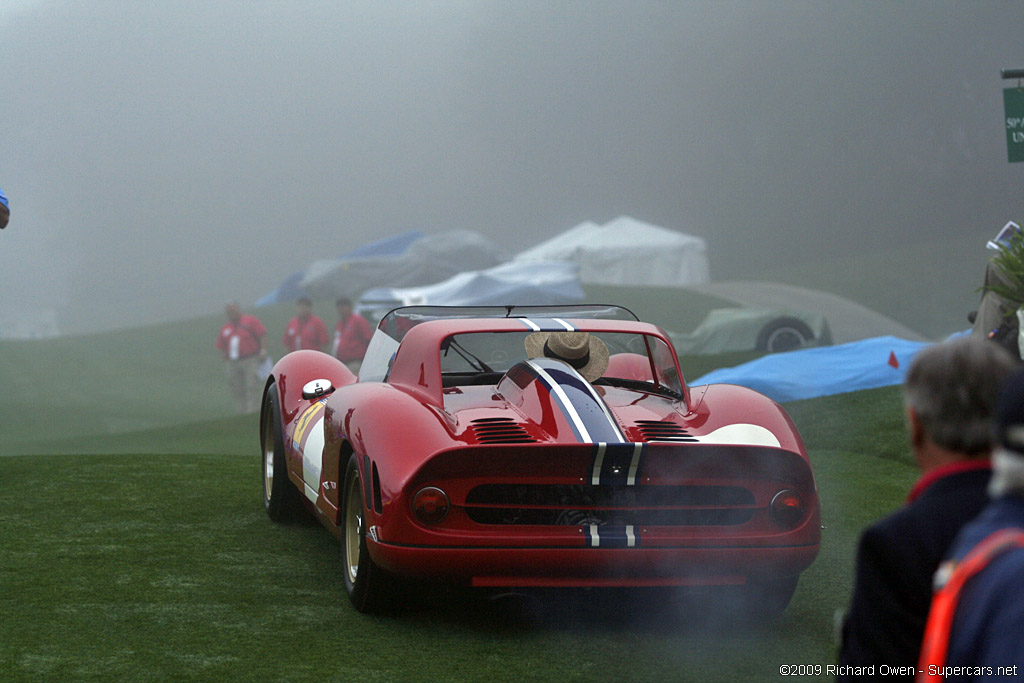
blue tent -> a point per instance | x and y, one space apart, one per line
823 371
289 289
389 246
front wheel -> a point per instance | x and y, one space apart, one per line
369 587
281 499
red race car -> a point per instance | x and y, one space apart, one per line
536 447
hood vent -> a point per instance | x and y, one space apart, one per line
654 430
500 430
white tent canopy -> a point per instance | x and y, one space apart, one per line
626 251
534 283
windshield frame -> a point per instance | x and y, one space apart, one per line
415 363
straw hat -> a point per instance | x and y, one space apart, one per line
587 354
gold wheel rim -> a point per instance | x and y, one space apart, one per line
353 527
268 459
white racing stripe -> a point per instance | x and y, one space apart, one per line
595 477
570 409
630 537
634 464
569 327
740 435
312 459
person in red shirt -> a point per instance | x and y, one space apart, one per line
305 331
241 342
351 336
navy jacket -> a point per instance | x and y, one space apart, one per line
896 560
988 625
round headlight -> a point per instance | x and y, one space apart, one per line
430 505
787 508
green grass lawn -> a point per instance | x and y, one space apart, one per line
134 545
163 566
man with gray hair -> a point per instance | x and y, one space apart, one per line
977 616
950 395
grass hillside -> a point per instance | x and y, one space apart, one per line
73 388
135 546
63 395
138 548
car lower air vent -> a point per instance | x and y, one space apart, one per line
500 430
654 430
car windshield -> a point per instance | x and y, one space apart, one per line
634 360
395 325
401 320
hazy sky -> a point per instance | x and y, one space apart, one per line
163 157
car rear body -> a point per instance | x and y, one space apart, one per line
528 475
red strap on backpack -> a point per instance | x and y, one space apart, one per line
935 646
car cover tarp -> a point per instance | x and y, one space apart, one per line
429 259
739 329
810 373
510 283
290 289
626 251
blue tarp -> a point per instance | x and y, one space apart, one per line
823 371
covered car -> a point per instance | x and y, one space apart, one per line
754 329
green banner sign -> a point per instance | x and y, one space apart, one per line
1013 103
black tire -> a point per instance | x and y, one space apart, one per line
281 499
370 588
759 601
784 334
769 598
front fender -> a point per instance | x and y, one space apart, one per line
297 368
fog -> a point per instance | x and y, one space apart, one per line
161 158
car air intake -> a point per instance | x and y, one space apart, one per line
491 430
653 430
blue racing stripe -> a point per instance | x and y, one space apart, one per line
583 409
617 464
599 536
